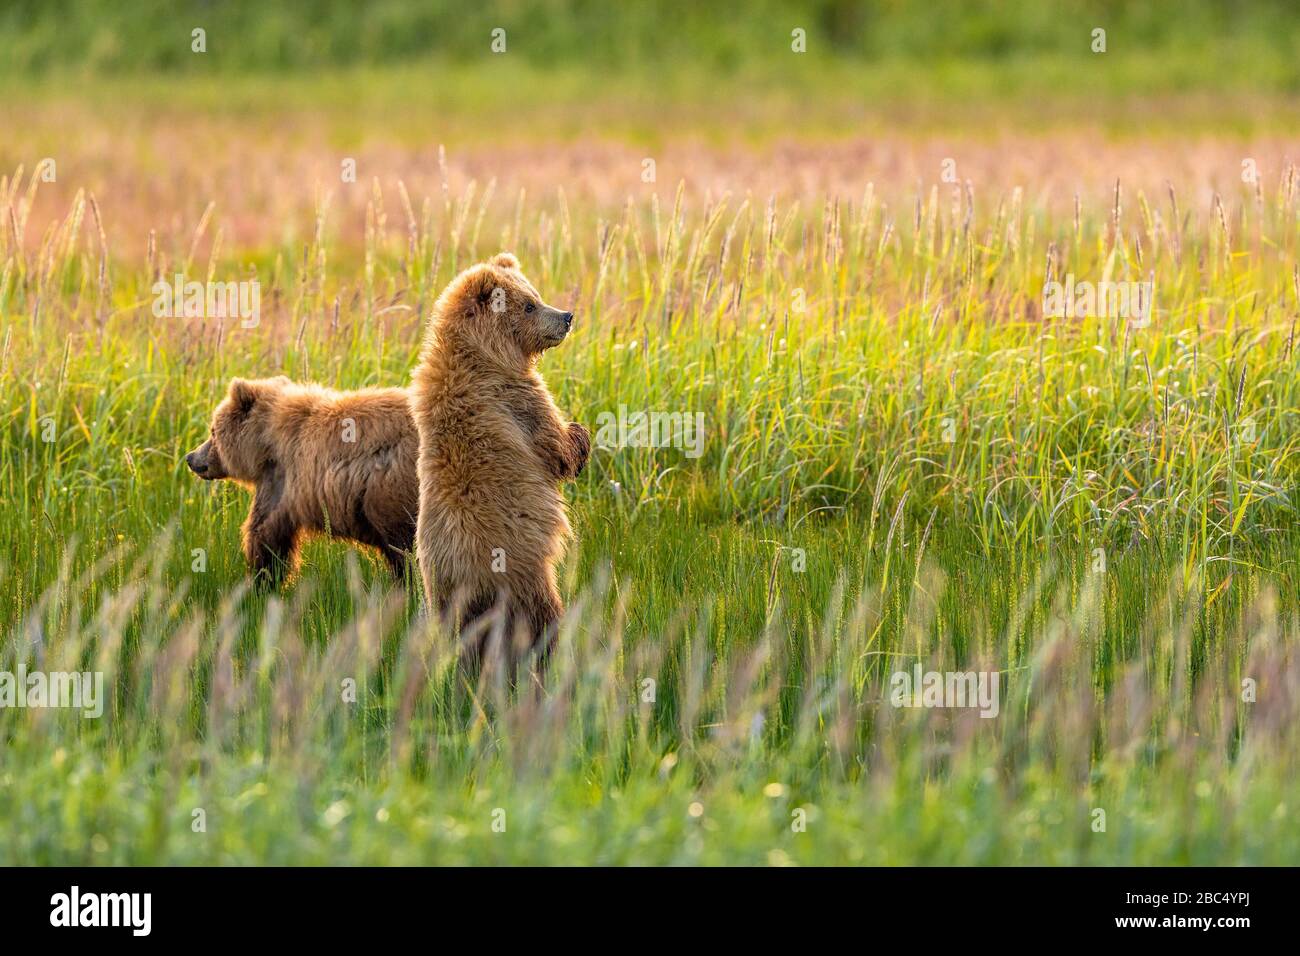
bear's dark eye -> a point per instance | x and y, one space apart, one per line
529 307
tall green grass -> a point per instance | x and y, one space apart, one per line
904 462
766 736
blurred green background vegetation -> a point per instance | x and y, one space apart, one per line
1193 44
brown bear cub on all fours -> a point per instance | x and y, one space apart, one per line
492 523
318 461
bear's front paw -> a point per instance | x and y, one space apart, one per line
581 441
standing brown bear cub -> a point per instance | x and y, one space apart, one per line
493 448
317 462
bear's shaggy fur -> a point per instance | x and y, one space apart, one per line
493 448
317 461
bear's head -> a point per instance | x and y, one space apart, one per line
494 309
239 445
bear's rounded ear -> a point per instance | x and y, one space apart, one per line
505 260
479 283
243 393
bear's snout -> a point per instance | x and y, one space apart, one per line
200 461
554 326
558 324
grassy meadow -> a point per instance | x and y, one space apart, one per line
904 462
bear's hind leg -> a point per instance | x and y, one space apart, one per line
398 562
537 618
